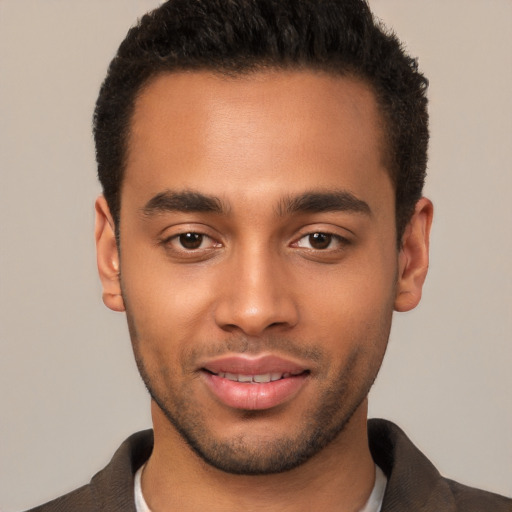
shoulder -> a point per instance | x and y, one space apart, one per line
415 484
470 499
112 488
80 500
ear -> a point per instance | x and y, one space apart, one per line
414 256
107 256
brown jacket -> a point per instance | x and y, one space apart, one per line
413 482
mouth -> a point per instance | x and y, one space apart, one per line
261 378
261 383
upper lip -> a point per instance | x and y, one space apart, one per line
246 365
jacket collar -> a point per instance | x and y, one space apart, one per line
413 482
112 487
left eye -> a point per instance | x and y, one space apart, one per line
319 241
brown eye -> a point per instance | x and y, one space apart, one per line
188 245
191 240
320 240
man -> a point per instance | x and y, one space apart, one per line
262 165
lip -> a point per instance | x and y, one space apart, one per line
254 395
253 365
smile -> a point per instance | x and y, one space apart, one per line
256 379
245 383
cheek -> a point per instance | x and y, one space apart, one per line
352 291
166 309
352 305
160 291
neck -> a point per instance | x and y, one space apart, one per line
340 477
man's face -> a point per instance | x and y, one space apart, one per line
257 244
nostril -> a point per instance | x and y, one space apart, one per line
254 316
278 324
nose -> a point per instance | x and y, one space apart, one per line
256 295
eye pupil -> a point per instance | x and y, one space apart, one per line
320 240
191 240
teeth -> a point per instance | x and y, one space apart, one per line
262 378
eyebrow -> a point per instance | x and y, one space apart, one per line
184 201
320 201
307 202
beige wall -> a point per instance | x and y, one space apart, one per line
69 391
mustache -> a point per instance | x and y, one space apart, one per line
239 344
280 345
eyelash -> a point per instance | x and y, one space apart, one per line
340 241
202 237
174 243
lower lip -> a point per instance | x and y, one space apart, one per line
254 396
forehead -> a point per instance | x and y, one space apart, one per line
295 128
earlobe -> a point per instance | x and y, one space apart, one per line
107 256
414 257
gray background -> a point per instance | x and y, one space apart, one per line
69 391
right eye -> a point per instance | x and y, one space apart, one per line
191 241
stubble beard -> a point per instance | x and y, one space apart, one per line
320 425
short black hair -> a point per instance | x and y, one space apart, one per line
236 37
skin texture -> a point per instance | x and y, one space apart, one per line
252 279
